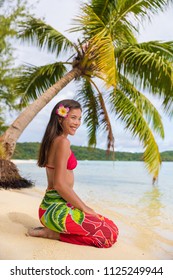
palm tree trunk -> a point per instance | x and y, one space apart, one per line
9 138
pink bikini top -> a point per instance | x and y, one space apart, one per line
71 163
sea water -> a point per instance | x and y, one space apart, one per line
143 212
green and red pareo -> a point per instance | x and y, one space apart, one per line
74 225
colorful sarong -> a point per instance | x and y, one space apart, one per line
75 226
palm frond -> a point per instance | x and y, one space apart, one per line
95 113
102 7
150 65
120 28
37 32
137 125
88 22
135 9
104 120
105 123
123 34
35 80
96 18
120 17
101 50
90 108
143 104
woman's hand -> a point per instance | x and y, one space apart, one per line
89 210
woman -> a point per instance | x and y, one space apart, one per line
64 215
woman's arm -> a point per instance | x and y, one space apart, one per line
62 154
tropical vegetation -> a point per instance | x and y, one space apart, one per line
112 71
29 151
11 12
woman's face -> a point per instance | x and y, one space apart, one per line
71 123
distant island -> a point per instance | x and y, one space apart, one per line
29 150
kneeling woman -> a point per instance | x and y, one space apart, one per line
63 214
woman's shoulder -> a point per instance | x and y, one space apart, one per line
61 142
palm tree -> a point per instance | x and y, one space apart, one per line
107 53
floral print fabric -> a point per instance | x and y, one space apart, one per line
75 226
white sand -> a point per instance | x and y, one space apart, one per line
19 212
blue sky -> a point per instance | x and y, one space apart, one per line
59 14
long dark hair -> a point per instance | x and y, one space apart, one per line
54 129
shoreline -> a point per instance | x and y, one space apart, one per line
19 212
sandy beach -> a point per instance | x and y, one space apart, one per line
18 212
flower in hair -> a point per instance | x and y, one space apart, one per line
62 111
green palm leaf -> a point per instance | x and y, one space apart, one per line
138 9
35 80
135 122
104 120
90 105
143 104
104 123
108 12
44 36
88 22
103 7
148 66
103 55
100 49
119 17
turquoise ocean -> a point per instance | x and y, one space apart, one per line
124 190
